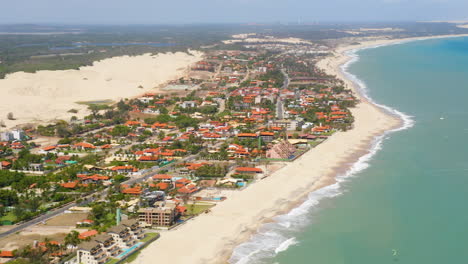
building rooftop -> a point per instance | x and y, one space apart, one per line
88 246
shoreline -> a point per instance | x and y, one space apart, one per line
342 57
234 221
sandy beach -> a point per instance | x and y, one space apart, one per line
210 238
45 96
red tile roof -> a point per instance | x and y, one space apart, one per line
87 234
249 169
85 145
5 163
129 167
48 148
70 185
136 190
246 135
162 177
6 254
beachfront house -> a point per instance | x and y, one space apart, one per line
123 235
91 252
108 245
100 248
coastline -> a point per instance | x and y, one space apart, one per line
337 65
212 238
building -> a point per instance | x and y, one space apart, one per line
4 165
288 124
91 252
16 134
161 214
267 136
108 245
102 247
282 150
135 229
188 104
148 198
126 234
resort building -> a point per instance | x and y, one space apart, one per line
91 252
134 228
124 236
102 247
109 246
162 214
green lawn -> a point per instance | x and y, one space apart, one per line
148 237
132 257
197 208
314 143
8 217
112 261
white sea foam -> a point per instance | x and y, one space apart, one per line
285 245
276 237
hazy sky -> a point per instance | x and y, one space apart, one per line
203 11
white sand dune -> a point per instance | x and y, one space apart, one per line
48 95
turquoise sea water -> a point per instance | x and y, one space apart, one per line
408 202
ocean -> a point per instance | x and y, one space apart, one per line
405 201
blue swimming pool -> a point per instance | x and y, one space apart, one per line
129 250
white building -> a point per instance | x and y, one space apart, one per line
16 134
188 104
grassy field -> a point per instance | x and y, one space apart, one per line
148 237
198 208
313 144
67 219
8 217
15 241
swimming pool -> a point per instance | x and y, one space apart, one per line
129 250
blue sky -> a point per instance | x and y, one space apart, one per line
226 11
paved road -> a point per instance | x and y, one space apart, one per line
286 79
279 102
279 108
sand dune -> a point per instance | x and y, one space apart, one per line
48 95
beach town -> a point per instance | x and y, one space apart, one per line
130 171
228 140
